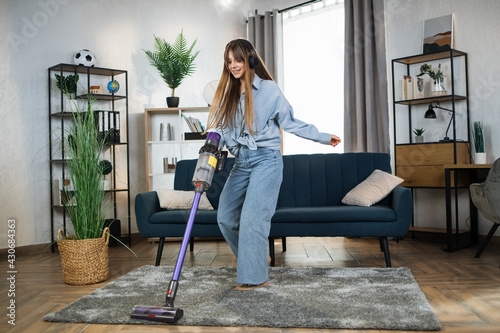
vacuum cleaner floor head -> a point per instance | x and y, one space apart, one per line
157 313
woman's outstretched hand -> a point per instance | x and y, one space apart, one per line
335 140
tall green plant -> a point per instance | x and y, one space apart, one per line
173 61
477 131
83 152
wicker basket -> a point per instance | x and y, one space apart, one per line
84 261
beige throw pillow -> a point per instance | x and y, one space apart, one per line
175 199
373 189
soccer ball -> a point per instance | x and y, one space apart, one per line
84 58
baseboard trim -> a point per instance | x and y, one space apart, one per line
37 249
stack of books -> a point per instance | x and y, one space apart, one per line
196 128
411 88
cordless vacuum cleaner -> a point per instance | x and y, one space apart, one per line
210 160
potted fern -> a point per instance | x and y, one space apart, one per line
174 62
477 132
84 255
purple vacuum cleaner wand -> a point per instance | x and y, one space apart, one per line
202 179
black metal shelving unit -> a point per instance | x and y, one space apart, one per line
57 114
453 98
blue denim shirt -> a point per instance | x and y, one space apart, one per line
272 111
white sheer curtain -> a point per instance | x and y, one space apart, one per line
313 71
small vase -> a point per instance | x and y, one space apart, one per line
173 102
480 158
419 139
438 87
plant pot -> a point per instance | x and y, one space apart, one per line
84 261
173 102
419 139
70 105
480 158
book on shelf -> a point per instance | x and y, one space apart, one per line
194 124
196 128
411 88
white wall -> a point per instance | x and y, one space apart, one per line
37 34
476 31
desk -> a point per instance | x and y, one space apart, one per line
477 173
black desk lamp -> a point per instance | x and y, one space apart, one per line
431 114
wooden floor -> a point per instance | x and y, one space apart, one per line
463 291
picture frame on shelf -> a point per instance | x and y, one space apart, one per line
438 34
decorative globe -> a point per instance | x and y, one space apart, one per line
113 86
84 58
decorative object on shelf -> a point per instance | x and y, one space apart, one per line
194 136
431 114
96 89
477 133
63 192
174 62
438 88
418 135
89 243
209 91
169 167
418 88
105 168
113 86
166 132
68 85
438 34
84 58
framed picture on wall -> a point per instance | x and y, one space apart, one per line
438 34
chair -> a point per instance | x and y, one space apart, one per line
486 197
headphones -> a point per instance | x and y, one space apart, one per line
253 60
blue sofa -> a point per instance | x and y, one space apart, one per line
309 203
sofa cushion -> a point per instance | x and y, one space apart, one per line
173 200
373 189
340 213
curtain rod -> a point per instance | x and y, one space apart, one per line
299 5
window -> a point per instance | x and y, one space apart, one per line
313 67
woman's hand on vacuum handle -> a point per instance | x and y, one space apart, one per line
335 140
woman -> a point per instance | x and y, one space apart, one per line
248 111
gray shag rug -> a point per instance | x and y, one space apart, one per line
305 297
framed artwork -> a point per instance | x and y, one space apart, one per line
438 34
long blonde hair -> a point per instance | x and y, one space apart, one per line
227 95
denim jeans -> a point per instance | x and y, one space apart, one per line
247 204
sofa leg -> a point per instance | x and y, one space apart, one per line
283 243
160 251
271 251
385 248
191 244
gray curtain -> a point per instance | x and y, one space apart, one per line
264 33
366 118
